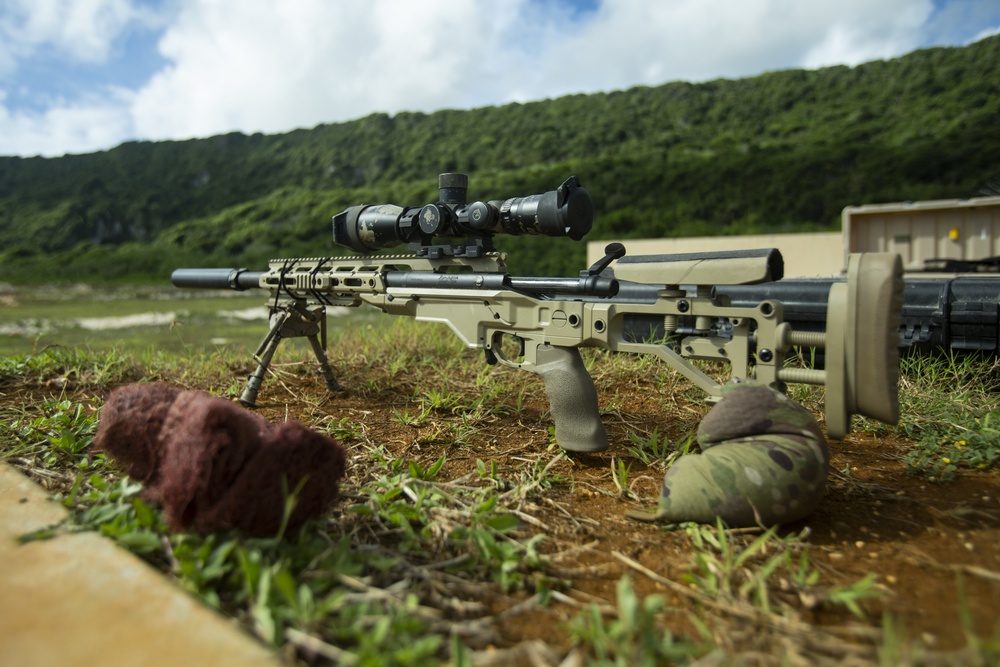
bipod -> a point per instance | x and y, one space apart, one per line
290 320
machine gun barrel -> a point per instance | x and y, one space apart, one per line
961 313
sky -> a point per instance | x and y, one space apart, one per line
78 76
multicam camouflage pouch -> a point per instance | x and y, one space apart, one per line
763 462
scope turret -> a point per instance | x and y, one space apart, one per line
565 211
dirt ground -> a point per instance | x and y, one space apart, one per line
919 537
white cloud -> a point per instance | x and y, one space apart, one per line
274 65
989 32
697 40
69 128
871 31
83 30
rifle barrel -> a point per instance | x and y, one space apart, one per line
592 286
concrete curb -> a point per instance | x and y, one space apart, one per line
78 599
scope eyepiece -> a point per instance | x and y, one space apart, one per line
566 211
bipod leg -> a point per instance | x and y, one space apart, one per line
264 354
324 365
313 327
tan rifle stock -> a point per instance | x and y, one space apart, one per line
485 308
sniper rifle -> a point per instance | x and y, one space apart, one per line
466 286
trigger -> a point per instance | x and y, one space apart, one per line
491 358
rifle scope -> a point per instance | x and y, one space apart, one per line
565 211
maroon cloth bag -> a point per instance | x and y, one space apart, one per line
214 465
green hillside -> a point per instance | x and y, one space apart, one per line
778 152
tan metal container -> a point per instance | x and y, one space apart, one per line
947 229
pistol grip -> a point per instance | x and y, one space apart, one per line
572 399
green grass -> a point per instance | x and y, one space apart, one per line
317 582
633 637
360 588
951 410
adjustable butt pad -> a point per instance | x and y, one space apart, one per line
863 318
878 303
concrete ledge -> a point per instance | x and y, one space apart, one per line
80 600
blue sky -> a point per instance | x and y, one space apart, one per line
78 76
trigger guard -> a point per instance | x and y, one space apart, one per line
496 350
